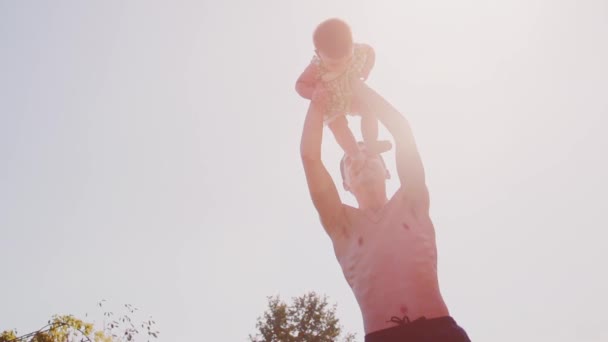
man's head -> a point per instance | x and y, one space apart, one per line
368 174
333 41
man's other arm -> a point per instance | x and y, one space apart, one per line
321 186
409 163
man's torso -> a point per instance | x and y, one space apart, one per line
390 262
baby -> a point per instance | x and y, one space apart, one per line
328 81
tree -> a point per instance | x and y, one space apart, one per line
68 328
308 318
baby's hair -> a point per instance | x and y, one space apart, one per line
333 37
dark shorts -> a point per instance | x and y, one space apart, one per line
442 329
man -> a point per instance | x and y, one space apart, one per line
386 248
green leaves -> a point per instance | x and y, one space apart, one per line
8 335
67 328
308 318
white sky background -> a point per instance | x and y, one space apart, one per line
149 155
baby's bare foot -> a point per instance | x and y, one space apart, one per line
378 146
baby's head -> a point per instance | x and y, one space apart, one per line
333 41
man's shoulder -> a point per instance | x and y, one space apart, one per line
415 201
399 195
336 226
352 214
341 228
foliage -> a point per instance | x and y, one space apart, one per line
68 328
8 335
307 318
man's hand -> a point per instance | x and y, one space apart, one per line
320 96
305 85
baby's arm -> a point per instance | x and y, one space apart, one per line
305 85
369 61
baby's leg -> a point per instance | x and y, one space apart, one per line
369 121
344 136
369 129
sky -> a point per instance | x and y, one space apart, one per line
149 154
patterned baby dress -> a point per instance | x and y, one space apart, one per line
339 84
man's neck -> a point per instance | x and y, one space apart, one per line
372 200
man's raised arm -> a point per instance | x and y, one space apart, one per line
320 184
409 163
